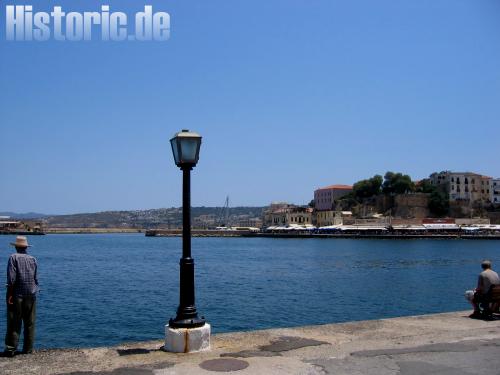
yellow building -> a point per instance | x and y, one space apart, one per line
284 215
331 217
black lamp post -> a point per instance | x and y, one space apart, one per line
186 150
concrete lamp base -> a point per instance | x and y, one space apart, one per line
187 340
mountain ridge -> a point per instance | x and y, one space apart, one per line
202 217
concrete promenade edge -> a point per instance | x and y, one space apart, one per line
449 343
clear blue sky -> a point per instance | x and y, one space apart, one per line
289 95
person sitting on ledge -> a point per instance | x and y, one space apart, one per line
486 279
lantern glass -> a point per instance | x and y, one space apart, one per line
189 150
175 150
186 148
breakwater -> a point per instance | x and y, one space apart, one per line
71 231
197 233
92 230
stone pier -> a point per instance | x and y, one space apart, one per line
448 343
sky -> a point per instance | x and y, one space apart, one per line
289 96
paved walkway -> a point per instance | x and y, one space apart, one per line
450 344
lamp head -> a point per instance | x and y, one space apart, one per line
186 148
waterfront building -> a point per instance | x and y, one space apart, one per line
469 186
6 225
300 216
325 198
331 217
253 222
284 214
495 190
440 179
463 186
275 213
325 202
485 188
328 217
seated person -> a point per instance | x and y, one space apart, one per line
486 279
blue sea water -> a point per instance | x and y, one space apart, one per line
106 289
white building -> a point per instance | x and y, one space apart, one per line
463 186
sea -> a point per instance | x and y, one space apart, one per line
106 289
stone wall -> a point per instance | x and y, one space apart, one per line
411 205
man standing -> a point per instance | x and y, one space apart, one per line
22 287
486 279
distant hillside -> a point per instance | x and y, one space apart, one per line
202 217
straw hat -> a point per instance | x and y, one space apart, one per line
486 263
21 241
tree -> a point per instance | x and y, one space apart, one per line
439 203
346 202
425 186
368 188
397 183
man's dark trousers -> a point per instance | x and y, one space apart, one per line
22 311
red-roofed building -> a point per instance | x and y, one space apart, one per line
324 198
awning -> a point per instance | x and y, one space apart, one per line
330 227
441 226
363 228
408 227
471 229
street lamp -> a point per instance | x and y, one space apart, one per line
186 150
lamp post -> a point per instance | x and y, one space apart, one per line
186 150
